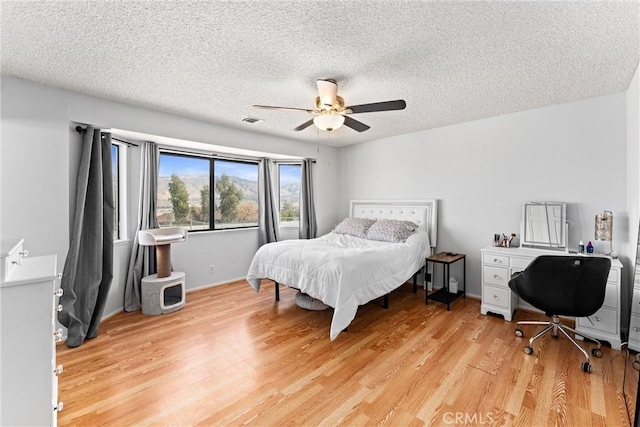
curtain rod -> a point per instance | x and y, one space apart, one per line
80 129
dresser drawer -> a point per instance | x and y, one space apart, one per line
613 276
492 259
611 296
495 275
604 320
496 296
520 264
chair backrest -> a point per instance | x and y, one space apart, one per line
564 285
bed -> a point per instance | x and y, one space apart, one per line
345 271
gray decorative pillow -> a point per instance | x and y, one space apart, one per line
354 226
309 303
389 230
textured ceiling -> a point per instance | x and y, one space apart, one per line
451 61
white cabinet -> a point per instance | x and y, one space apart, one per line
29 383
499 264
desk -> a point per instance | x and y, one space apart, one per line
499 264
443 295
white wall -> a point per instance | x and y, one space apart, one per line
38 148
483 171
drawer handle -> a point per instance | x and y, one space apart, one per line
495 296
59 407
497 261
59 369
636 329
59 292
596 318
58 335
59 307
59 276
495 276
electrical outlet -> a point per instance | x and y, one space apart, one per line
428 277
211 269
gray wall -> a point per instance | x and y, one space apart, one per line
38 158
483 171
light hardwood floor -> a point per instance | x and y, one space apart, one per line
232 356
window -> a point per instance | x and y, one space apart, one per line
185 198
116 189
118 172
290 176
236 194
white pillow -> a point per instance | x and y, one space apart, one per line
354 226
389 230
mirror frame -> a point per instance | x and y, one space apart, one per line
526 240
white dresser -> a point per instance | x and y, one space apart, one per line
499 264
28 303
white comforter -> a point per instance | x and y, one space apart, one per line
341 270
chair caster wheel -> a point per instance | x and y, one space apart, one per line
519 332
596 352
556 336
586 367
528 349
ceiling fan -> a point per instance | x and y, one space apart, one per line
330 112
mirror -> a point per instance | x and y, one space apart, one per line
544 225
632 387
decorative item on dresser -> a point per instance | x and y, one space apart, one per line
28 294
604 229
499 264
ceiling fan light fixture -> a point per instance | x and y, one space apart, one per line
328 122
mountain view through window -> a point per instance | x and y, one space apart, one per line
185 197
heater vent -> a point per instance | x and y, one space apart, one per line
250 119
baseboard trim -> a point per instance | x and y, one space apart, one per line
212 285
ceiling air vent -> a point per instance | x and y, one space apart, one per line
250 119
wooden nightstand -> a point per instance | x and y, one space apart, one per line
443 295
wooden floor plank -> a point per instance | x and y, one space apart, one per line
232 356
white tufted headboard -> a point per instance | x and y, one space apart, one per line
422 212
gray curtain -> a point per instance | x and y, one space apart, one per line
88 268
308 226
268 222
143 258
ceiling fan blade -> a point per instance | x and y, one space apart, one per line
355 125
327 91
304 125
271 107
398 104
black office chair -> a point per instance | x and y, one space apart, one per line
563 286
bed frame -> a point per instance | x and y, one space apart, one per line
421 212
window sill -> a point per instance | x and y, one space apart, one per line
122 242
289 225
